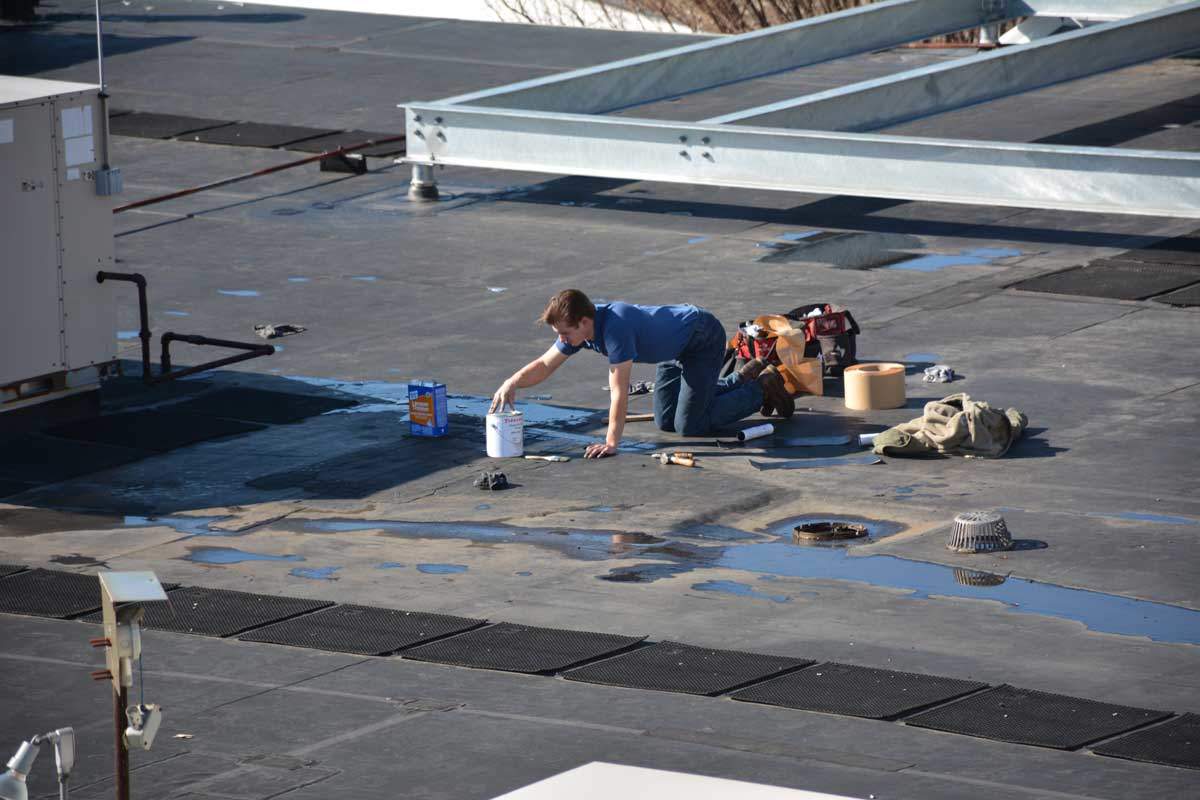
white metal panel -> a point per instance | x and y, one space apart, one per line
86 231
601 781
984 173
30 334
15 90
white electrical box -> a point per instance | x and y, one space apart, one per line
58 332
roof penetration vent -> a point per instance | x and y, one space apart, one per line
979 532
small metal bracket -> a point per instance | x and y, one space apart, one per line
994 9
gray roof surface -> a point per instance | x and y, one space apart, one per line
1100 602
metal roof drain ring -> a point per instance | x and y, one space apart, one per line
828 531
979 532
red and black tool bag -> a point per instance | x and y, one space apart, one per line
831 335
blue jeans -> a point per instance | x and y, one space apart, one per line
688 396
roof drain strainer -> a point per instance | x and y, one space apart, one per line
979 532
970 577
827 532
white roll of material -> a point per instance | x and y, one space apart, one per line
757 432
874 386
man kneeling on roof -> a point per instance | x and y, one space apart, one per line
688 345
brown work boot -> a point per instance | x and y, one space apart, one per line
775 395
751 370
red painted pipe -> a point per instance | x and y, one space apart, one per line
258 173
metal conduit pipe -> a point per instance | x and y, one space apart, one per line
252 351
143 314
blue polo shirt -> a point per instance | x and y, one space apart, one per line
645 334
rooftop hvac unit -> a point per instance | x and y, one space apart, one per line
57 323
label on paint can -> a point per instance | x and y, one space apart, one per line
505 434
428 414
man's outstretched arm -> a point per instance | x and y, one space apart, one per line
618 387
531 374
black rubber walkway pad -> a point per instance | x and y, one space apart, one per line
222 612
45 459
259 134
675 667
1119 280
259 405
1024 716
50 593
10 569
146 125
335 140
1189 296
857 691
1175 743
362 629
152 430
521 648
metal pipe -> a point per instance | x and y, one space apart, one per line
165 374
143 313
256 174
99 48
121 765
103 94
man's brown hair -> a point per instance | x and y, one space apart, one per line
568 307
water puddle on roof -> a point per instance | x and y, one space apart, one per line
188 526
178 313
1142 516
936 262
238 292
771 555
315 573
123 335
231 555
441 569
392 397
1100 612
584 545
739 589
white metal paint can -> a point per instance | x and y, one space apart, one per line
505 434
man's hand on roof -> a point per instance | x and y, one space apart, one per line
600 450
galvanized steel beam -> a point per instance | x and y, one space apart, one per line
980 173
875 104
715 62
1086 9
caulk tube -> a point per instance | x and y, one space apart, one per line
757 432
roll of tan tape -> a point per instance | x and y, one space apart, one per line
870 386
